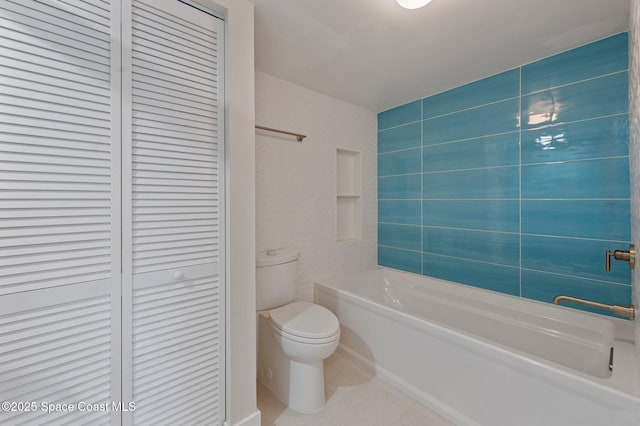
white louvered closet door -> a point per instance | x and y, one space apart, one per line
173 299
59 209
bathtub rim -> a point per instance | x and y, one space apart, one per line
587 331
515 358
624 329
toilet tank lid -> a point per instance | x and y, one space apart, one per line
275 256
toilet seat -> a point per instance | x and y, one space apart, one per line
305 322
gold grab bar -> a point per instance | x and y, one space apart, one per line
298 136
621 310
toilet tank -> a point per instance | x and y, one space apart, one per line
276 277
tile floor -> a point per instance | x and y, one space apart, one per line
354 397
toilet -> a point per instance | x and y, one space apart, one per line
294 337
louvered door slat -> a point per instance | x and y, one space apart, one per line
60 186
177 184
45 88
61 182
16 13
163 30
49 12
182 215
170 85
183 112
63 149
175 212
20 96
163 141
27 142
56 171
174 114
172 240
97 18
83 72
23 254
57 234
174 148
175 243
148 96
47 257
172 120
148 154
48 121
49 106
23 48
148 53
146 88
149 131
187 25
56 350
23 154
186 178
179 305
94 8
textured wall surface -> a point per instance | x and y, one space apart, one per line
634 145
516 183
296 182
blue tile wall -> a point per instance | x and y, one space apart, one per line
516 183
402 137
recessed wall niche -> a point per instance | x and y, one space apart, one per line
348 195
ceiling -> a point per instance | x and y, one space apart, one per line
377 55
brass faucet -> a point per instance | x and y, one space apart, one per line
621 310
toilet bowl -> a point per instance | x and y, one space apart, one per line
294 337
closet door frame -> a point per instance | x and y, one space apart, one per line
126 67
116 208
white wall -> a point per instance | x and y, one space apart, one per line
240 213
634 147
296 182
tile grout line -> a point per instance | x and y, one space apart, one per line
532 129
519 96
492 231
520 165
404 124
512 98
399 248
398 150
520 183
421 188
506 266
504 199
584 80
466 259
540 271
492 135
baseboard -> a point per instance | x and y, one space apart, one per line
424 398
252 420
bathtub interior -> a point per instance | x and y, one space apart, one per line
573 339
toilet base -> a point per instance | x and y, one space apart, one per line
299 385
306 394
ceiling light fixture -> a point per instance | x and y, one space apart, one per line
413 4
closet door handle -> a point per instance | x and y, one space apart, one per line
184 280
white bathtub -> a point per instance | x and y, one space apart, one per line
484 358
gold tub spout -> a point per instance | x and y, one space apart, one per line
621 310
